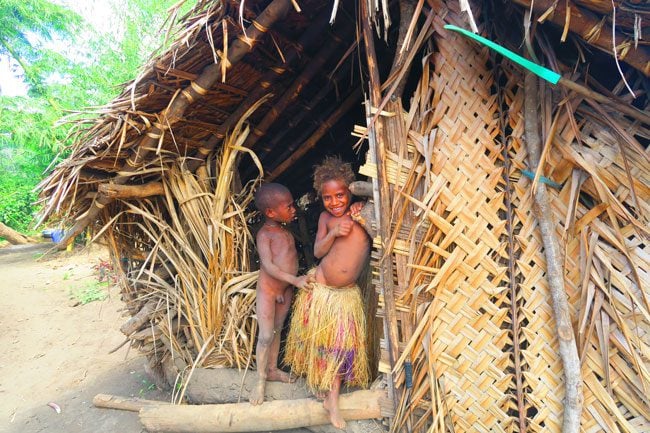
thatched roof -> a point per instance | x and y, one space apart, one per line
468 274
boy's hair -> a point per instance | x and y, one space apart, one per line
332 168
266 194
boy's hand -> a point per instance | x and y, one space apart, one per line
304 281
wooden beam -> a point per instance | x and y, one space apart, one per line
587 25
131 191
294 51
315 66
270 416
349 102
12 235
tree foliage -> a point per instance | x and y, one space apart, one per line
67 66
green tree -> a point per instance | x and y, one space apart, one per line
25 25
67 66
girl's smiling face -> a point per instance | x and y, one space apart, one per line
336 197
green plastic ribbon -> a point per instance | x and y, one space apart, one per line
545 73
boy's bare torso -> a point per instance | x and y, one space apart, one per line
341 266
284 256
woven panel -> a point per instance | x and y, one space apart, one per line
461 367
607 304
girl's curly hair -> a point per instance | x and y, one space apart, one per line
332 168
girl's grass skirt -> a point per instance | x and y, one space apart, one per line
327 337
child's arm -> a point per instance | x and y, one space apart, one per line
267 265
325 239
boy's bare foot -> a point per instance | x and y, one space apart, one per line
257 394
277 375
335 416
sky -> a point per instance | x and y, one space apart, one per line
99 13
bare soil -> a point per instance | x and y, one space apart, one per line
54 352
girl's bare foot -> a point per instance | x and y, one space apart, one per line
321 395
277 375
335 416
257 394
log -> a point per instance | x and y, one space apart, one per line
361 188
131 404
135 322
113 190
12 235
229 385
270 416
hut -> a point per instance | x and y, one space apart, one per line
510 263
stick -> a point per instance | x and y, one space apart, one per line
554 271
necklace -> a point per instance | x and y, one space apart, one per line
273 224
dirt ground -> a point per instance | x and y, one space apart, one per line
53 351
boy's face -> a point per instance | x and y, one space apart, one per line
283 210
336 197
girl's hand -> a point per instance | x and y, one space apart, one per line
343 228
355 209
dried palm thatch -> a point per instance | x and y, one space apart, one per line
197 234
461 267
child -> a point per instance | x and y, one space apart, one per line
278 268
327 336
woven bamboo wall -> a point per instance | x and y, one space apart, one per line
456 310
609 310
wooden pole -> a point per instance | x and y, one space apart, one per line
384 199
131 191
573 398
170 115
642 116
593 30
270 416
293 52
315 66
349 102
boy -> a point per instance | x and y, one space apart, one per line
327 337
278 268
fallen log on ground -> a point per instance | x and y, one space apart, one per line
131 404
12 235
229 385
244 417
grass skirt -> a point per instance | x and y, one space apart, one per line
327 337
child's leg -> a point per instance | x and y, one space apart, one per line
281 312
265 310
331 403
